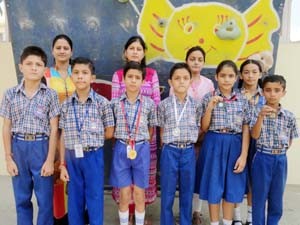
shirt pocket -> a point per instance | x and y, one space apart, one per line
40 112
94 126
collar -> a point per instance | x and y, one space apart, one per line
124 97
55 73
91 96
185 99
233 96
21 88
257 92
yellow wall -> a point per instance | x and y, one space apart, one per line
287 65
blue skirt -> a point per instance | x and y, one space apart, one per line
215 167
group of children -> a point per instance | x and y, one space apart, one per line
224 118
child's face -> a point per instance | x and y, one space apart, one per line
273 92
251 74
82 76
62 50
32 68
135 52
181 81
195 61
226 78
133 80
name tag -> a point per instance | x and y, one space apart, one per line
78 150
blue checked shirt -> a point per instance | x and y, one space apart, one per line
255 100
276 133
232 114
147 117
94 115
30 116
189 125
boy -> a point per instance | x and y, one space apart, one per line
135 117
179 119
274 128
86 120
30 111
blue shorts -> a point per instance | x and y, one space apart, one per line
124 171
217 159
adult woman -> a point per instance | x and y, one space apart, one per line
58 78
134 50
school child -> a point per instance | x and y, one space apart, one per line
86 121
30 111
226 118
274 128
250 87
179 120
135 117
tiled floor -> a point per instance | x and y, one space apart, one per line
7 209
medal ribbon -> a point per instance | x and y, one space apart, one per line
129 129
79 126
176 114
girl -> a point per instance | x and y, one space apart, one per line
134 50
195 59
226 115
58 77
250 86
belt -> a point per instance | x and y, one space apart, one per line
226 131
30 137
89 149
180 145
126 142
273 151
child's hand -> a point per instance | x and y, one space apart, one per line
47 169
214 101
64 176
240 164
267 111
12 168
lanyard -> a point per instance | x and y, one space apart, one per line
176 114
137 113
79 126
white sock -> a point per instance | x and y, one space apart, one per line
214 223
124 217
237 213
249 214
227 222
139 218
197 203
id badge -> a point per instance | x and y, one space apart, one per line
78 150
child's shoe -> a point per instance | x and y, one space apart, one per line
196 218
237 222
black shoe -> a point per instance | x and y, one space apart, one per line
248 223
237 222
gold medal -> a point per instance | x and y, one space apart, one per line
132 154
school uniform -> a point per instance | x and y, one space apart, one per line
30 121
256 100
270 165
181 124
221 148
131 133
84 125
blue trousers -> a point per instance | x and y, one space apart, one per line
29 157
85 188
268 183
177 165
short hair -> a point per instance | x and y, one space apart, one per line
177 66
227 63
34 50
274 79
135 66
84 61
193 49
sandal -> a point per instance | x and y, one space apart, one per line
196 218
